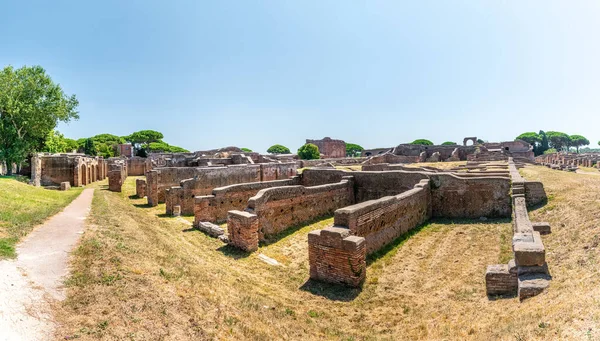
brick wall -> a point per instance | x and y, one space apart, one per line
335 256
214 207
383 220
140 188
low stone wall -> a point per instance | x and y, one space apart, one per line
456 197
201 181
383 220
77 169
335 256
214 207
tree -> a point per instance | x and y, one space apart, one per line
550 151
309 152
530 137
278 149
578 141
106 144
449 143
163 147
544 144
558 140
247 150
89 148
480 141
57 143
31 105
143 138
353 149
423 142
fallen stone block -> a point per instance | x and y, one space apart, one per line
530 285
500 281
211 229
529 249
65 186
542 227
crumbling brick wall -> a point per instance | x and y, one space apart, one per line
136 166
214 207
140 188
330 148
279 208
335 256
243 230
383 220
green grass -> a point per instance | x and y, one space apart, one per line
23 206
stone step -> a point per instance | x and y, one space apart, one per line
532 284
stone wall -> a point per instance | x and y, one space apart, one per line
335 256
383 220
206 179
375 185
330 148
136 166
77 169
214 207
456 197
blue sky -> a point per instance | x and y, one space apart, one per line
256 73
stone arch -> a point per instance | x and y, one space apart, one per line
467 139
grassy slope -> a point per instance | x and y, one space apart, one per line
143 277
23 206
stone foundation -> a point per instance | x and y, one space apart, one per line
140 188
243 230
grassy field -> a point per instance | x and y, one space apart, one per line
139 275
22 207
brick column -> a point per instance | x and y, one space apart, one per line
152 188
243 230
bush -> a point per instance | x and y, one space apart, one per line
449 143
278 149
309 152
247 150
423 142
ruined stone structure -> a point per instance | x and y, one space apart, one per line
180 185
77 169
125 150
117 173
569 161
527 274
140 188
330 148
467 139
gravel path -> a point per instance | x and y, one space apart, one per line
30 282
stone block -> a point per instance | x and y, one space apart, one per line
65 186
211 229
542 227
530 285
140 188
500 281
176 210
243 230
527 252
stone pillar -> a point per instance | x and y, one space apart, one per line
140 188
173 197
36 170
243 230
115 181
337 257
76 173
152 188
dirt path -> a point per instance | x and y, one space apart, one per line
28 283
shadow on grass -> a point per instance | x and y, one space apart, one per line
146 205
133 197
334 292
538 205
289 231
103 187
233 252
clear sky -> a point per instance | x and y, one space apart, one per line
256 73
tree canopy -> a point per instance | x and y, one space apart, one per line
57 143
558 140
163 147
530 137
353 149
449 143
278 149
423 142
578 141
31 105
247 150
309 152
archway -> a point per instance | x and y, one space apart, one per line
467 139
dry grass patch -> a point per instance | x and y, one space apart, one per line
141 276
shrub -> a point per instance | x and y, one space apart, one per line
423 142
278 149
309 152
449 143
247 150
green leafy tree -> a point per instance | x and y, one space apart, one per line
247 150
353 150
578 141
31 105
106 144
449 143
278 149
480 141
544 144
558 140
530 137
163 147
55 143
143 138
309 152
89 148
550 151
423 142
